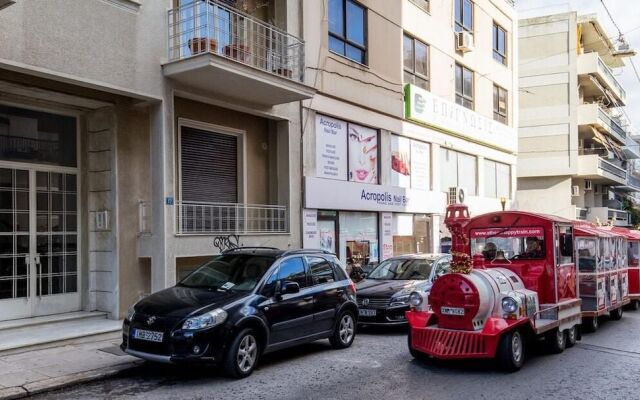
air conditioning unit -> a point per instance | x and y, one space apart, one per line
464 41
456 195
575 191
588 185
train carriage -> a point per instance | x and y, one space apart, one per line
633 264
515 279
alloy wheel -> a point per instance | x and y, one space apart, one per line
247 353
516 347
346 329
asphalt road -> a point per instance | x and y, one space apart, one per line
604 365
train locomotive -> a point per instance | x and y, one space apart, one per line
514 279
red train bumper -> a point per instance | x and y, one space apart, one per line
454 344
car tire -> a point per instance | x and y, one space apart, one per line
511 351
242 355
344 332
571 336
590 324
556 341
616 315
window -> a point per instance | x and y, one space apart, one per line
347 30
510 245
416 62
497 179
464 86
424 4
240 272
464 15
499 44
321 270
564 250
499 104
292 270
458 170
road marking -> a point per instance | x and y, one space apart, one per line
610 350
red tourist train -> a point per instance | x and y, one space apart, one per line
516 278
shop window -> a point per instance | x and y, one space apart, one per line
497 179
500 104
499 44
416 62
358 238
458 170
347 30
463 15
410 163
464 86
321 270
411 234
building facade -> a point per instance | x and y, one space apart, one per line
576 152
415 107
138 138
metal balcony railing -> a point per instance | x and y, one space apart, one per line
609 75
618 216
581 213
144 218
611 123
633 182
230 218
207 26
612 168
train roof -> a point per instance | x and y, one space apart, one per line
544 217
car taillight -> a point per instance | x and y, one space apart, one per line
352 286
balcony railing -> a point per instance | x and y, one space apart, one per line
230 218
612 168
612 124
609 75
633 182
207 26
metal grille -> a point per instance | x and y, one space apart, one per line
373 302
198 27
443 342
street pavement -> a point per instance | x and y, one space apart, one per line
604 365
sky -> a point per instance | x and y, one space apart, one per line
626 14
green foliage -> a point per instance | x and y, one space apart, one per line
631 208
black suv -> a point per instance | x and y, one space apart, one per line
242 304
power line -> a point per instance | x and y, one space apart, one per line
611 17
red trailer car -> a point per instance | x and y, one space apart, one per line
522 285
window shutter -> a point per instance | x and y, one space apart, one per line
209 166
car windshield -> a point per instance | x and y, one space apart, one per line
402 269
240 272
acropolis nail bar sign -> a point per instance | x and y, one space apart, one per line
423 107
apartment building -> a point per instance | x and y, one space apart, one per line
415 107
138 138
576 151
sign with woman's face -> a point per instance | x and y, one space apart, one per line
363 154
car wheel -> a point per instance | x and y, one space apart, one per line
590 324
242 355
616 314
572 336
556 341
511 351
344 332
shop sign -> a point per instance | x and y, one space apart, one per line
508 232
386 227
335 195
363 154
420 161
331 145
424 107
310 238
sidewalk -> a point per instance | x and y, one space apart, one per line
38 371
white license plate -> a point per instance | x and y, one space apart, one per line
452 311
367 313
149 336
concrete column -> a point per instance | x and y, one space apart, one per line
435 167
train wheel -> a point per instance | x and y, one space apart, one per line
511 351
556 341
634 305
415 353
616 314
590 324
572 336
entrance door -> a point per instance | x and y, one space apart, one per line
38 242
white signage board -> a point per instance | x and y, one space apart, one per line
310 235
329 194
424 107
331 148
420 165
386 230
400 161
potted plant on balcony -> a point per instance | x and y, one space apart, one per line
198 45
239 52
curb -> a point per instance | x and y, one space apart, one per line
46 385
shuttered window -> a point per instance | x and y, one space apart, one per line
209 166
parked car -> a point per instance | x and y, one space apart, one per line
242 304
383 296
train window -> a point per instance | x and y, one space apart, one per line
586 255
530 247
564 245
633 254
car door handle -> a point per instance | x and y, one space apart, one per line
308 298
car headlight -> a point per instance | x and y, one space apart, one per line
400 300
131 312
415 299
206 320
509 305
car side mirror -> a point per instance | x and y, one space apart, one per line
289 288
364 275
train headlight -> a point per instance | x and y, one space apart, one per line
415 299
509 305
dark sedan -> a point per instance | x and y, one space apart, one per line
383 297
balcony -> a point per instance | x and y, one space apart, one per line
632 184
607 215
593 115
581 213
230 219
590 64
596 168
221 50
631 148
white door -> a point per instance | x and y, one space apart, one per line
39 258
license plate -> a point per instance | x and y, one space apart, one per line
367 313
452 311
149 336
